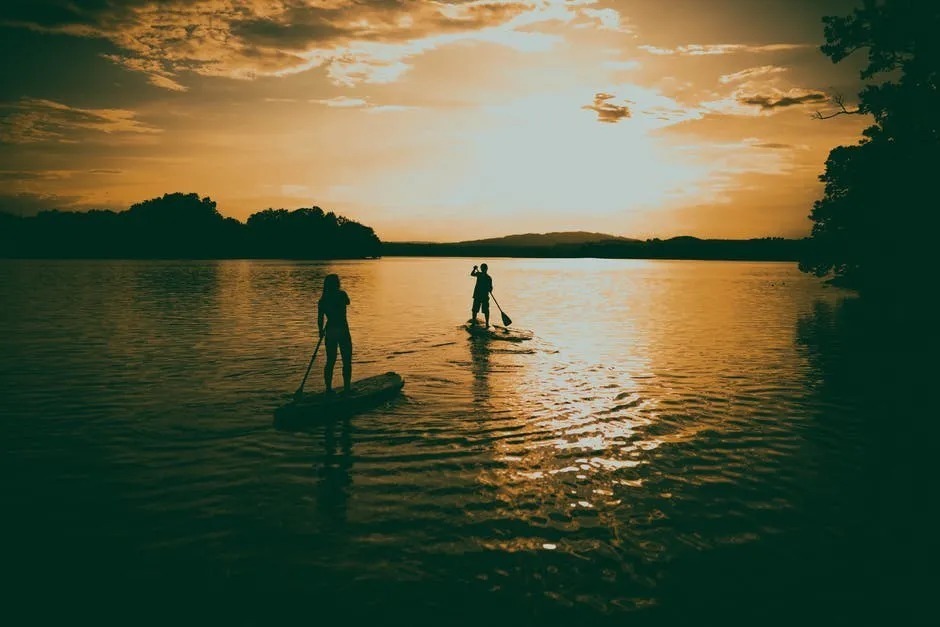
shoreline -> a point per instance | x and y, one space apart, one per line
467 255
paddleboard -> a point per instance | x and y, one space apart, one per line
497 332
364 395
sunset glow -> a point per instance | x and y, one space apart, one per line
429 120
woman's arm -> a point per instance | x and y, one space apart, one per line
320 318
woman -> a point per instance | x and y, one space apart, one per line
332 306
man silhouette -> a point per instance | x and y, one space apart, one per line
481 293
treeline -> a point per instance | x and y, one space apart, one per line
875 226
187 227
764 249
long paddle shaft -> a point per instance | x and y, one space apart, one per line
506 319
300 390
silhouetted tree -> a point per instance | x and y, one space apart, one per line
176 225
185 226
309 233
11 228
892 170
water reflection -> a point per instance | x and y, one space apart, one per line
875 456
334 483
171 298
691 442
480 370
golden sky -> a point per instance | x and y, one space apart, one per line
444 121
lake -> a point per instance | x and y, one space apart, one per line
680 442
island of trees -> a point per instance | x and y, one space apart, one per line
188 227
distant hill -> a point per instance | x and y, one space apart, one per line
601 245
558 238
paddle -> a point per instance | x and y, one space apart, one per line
300 390
506 319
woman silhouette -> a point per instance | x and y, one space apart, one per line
332 306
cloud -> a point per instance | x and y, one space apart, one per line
775 146
367 66
648 108
753 99
36 120
28 204
344 102
695 50
28 176
607 111
18 176
154 70
389 108
605 19
777 101
754 142
357 41
314 24
672 114
341 102
751 74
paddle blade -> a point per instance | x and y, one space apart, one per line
506 319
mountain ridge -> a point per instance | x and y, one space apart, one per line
552 238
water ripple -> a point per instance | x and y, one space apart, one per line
582 470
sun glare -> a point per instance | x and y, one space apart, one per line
547 153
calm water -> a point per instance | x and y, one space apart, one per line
680 441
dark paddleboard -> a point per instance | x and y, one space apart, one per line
497 332
364 395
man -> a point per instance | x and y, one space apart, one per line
481 293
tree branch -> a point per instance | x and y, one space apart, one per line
839 99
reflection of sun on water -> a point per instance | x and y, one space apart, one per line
578 452
602 430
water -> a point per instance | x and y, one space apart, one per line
682 441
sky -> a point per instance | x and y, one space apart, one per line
430 121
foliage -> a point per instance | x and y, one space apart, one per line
892 169
291 233
185 226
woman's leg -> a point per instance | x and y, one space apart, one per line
345 347
330 362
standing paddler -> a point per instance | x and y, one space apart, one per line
481 293
332 306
